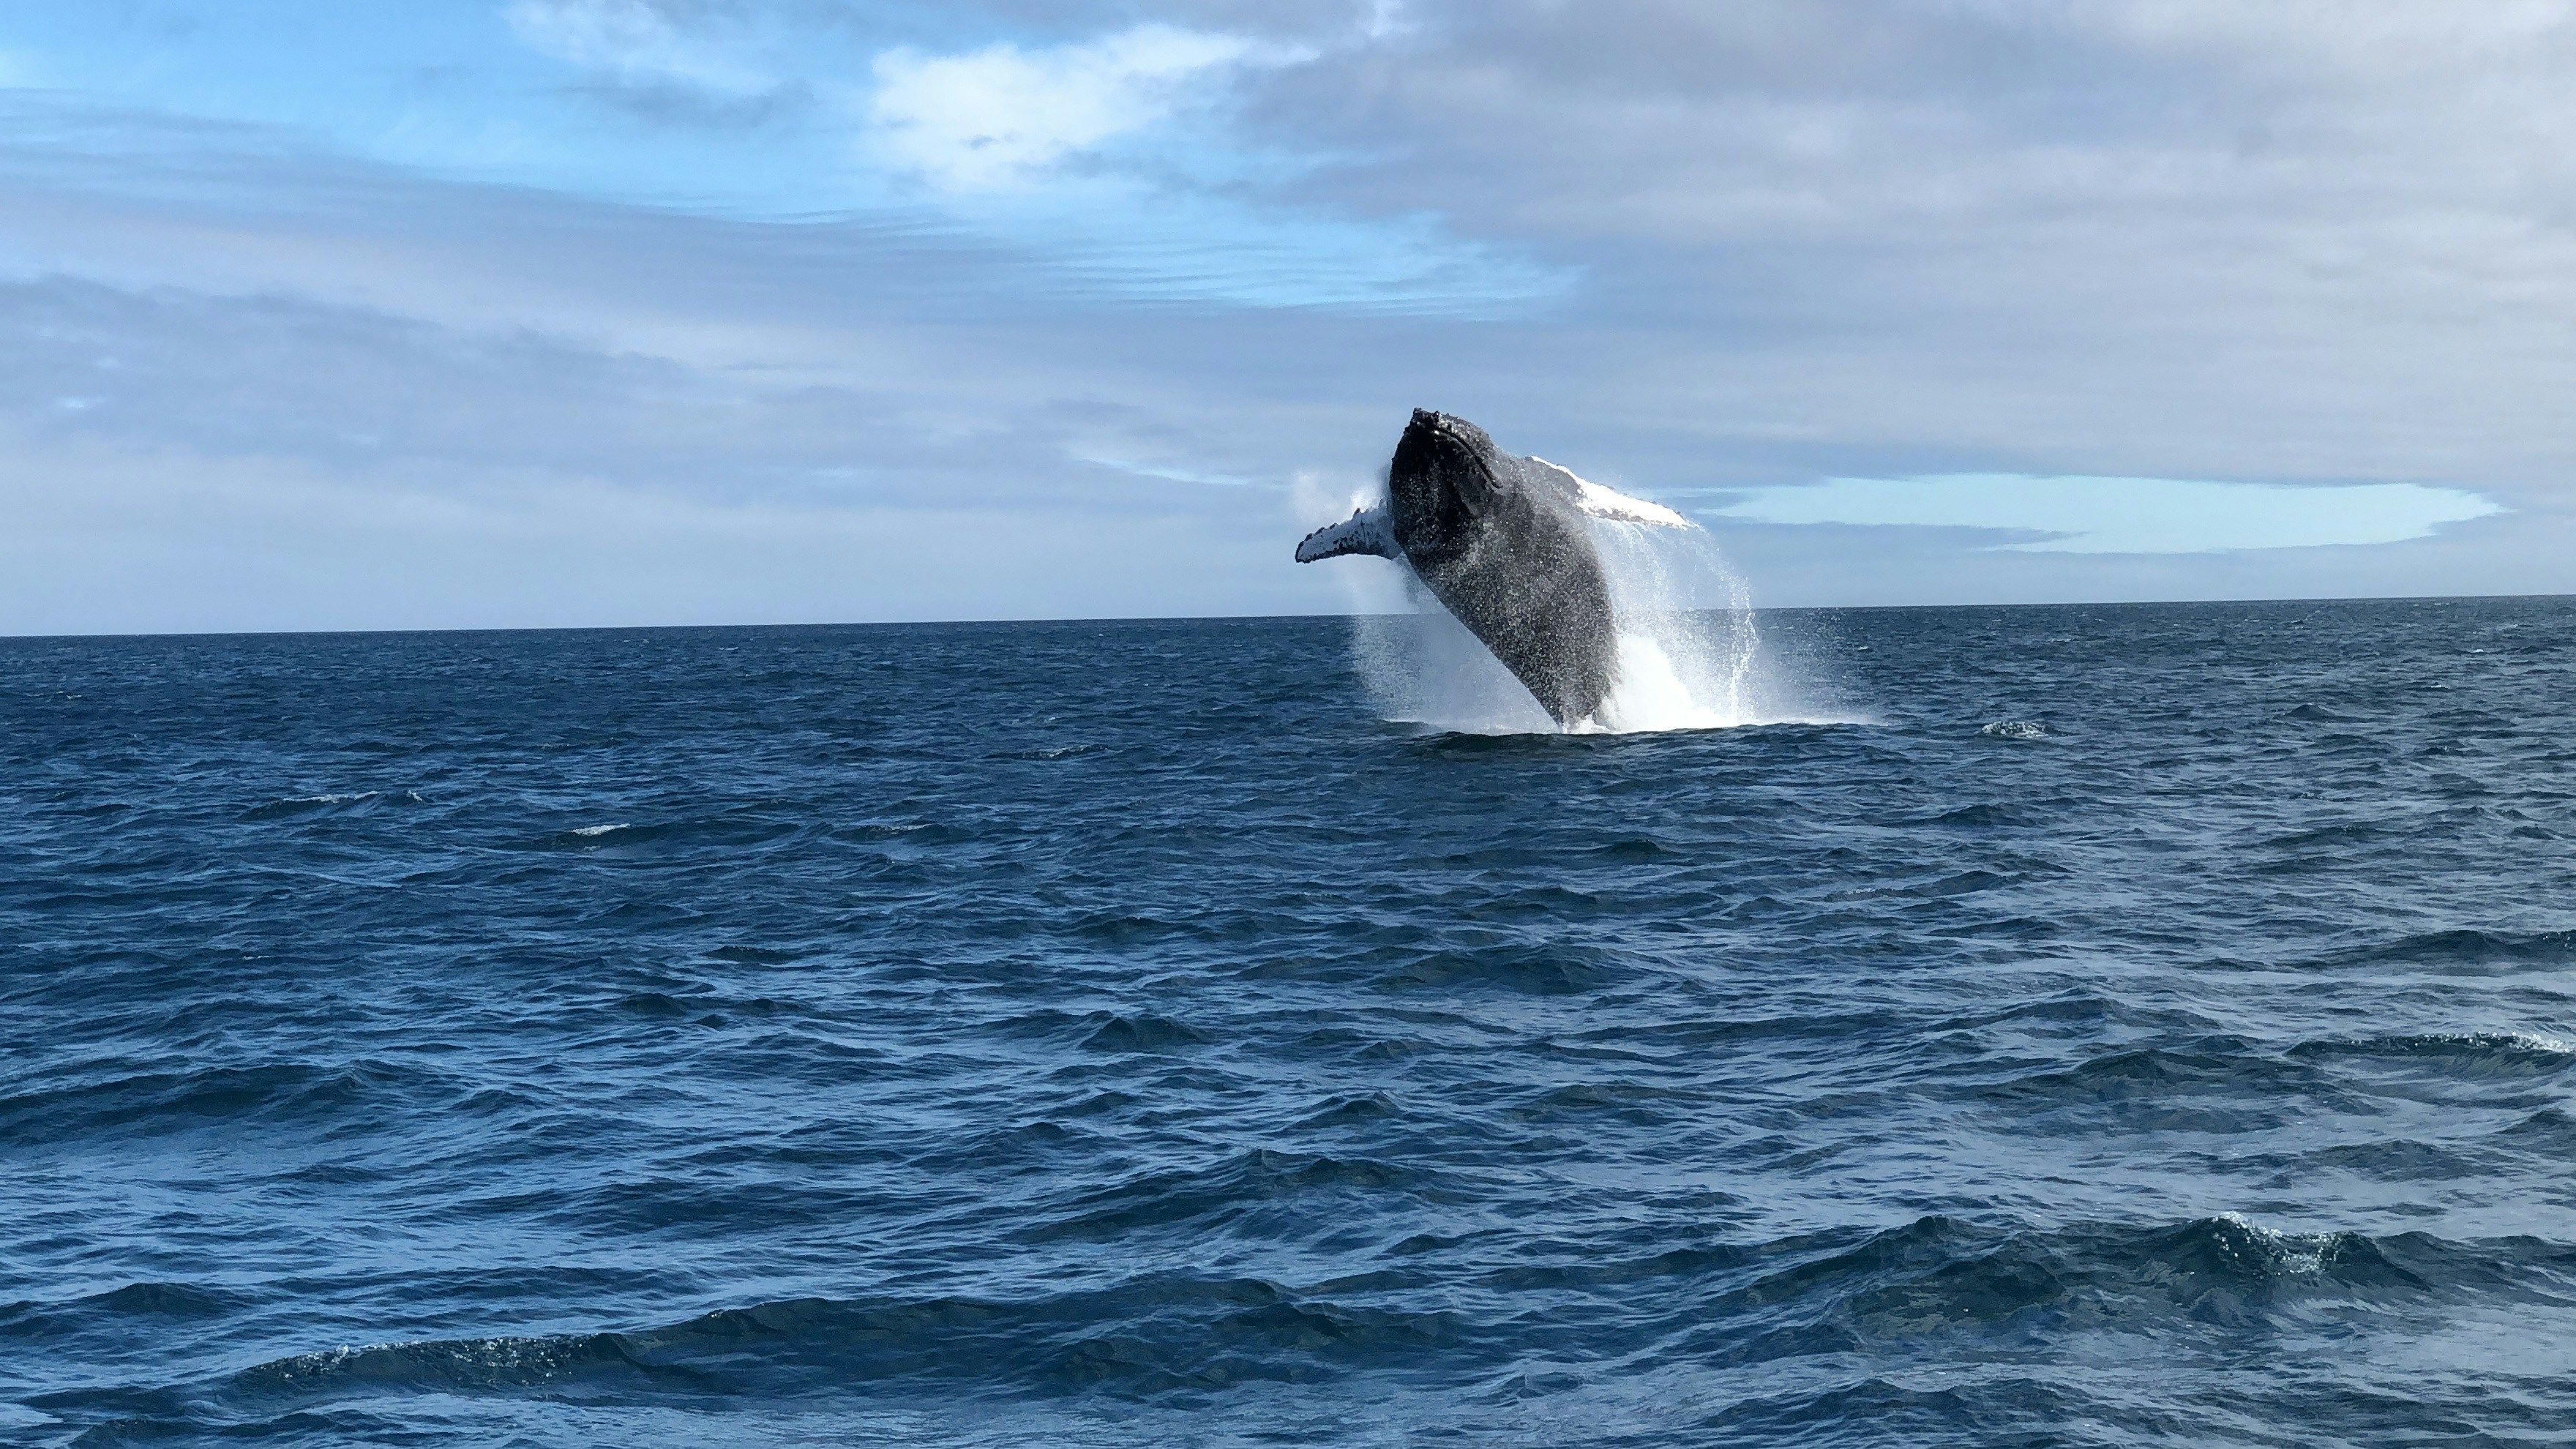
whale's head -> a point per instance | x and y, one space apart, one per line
1446 473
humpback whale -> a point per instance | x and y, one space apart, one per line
1500 541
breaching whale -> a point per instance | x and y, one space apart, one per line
1500 541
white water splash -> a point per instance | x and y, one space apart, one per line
1690 653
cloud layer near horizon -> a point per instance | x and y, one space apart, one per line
629 311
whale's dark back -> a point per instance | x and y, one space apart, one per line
1498 540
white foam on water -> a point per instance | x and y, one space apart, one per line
1690 655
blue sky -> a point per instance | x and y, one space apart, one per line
633 311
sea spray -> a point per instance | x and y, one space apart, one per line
1423 667
1688 643
1689 650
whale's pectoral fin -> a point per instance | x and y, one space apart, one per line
1601 502
1367 531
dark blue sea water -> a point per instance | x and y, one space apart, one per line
2152 1027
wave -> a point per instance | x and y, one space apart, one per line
731 830
1195 1339
2465 947
215 1098
166 1305
1143 1032
1989 814
1145 1337
306 807
2484 1053
1288 1193
2219 1084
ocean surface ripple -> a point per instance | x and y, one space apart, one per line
2156 1026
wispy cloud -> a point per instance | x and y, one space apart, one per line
1119 158
638 42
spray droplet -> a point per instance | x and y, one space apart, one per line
1689 651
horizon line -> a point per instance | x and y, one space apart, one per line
9 637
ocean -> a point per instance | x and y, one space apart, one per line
2138 1025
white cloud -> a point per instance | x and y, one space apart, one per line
2126 515
634 41
997 117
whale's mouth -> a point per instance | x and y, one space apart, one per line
1439 424
1451 453
1455 434
1426 431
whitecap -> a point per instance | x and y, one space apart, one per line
2289 1252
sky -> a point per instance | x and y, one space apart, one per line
477 313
